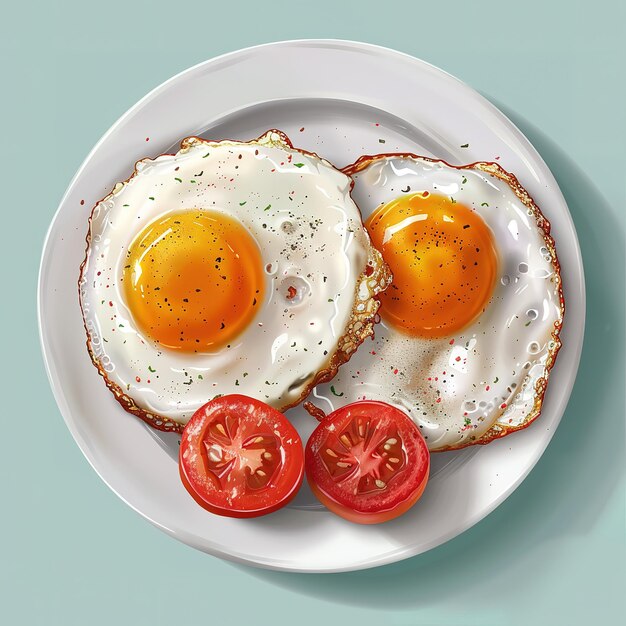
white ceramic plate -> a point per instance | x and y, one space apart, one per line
346 97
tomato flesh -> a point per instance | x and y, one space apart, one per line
367 462
240 457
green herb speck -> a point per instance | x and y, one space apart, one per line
298 164
332 388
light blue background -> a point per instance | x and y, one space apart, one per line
72 553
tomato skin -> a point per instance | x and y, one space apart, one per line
379 436
240 457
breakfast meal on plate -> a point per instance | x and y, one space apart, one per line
227 267
471 322
412 305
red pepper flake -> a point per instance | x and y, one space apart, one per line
82 202
376 124
302 129
451 341
373 352
98 274
395 371
487 388
497 158
110 303
429 378
138 379
291 292
369 270
458 358
464 414
503 405
444 372
436 378
147 138
273 170
148 381
425 194
438 400
289 158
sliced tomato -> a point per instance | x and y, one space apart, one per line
240 457
367 462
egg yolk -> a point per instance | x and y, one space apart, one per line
443 259
193 280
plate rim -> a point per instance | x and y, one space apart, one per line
398 553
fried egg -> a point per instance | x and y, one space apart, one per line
470 324
227 267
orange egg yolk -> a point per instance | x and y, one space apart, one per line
193 280
443 259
